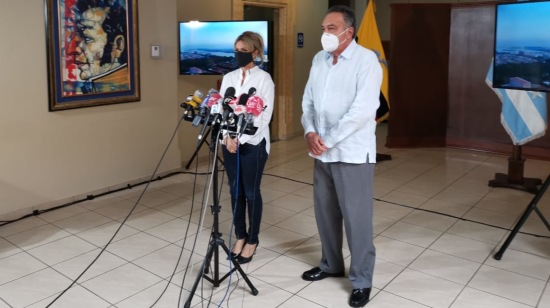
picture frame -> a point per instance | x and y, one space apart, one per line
93 53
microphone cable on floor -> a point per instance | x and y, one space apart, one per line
423 210
92 197
125 219
185 238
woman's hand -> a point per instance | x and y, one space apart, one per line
231 144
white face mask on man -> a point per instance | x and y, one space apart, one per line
330 41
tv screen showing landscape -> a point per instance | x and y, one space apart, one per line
207 48
522 46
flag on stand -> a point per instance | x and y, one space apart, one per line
369 37
523 112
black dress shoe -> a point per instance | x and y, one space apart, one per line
359 297
317 274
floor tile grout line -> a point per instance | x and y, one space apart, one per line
298 260
3 301
542 295
418 207
296 295
408 267
53 269
29 274
425 305
472 278
42 244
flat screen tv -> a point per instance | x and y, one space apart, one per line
522 46
207 48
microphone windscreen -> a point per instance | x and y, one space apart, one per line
214 98
230 92
243 99
233 103
255 105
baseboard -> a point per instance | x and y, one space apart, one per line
497 148
50 204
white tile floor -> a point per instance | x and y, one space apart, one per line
424 259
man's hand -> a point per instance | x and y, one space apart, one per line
315 144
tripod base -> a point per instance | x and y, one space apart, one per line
530 208
213 252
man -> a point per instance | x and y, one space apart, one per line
339 110
97 45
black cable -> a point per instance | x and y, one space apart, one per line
203 196
197 236
125 219
184 239
424 210
92 197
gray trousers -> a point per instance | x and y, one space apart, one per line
343 193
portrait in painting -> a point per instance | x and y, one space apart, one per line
93 56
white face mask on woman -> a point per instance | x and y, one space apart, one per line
330 41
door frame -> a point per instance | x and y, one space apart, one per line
285 19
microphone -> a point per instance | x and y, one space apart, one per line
212 108
186 101
203 107
227 99
240 109
194 102
217 111
254 107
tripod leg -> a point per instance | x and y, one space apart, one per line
205 263
542 218
238 267
198 149
530 208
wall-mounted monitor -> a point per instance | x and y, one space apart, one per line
522 46
207 48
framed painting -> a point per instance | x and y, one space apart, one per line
93 54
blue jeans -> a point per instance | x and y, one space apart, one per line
252 162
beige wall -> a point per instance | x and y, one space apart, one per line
309 16
203 10
45 157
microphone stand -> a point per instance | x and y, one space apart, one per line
216 239
199 148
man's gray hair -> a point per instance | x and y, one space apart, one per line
349 15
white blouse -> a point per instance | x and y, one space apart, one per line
265 88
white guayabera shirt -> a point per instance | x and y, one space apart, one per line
265 88
340 103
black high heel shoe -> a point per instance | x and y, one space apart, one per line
243 260
235 256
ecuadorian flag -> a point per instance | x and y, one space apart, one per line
368 37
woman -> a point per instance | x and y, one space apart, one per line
253 150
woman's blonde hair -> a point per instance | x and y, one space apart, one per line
253 41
